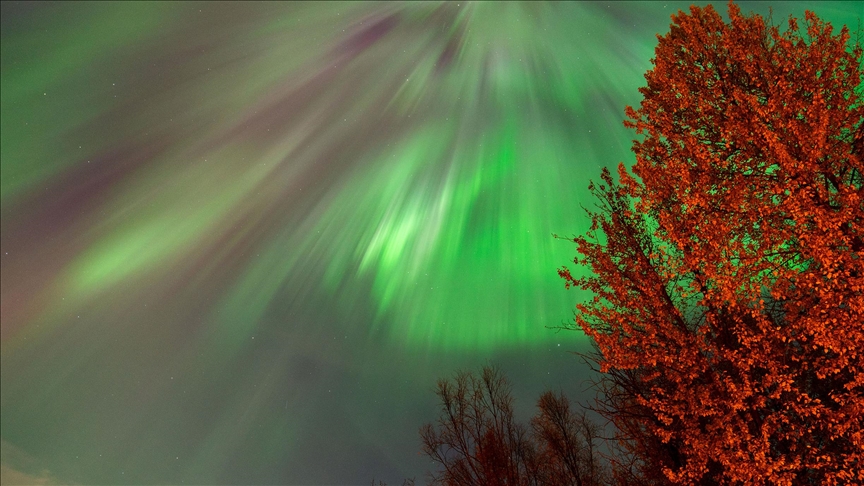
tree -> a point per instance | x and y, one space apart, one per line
728 268
567 444
478 442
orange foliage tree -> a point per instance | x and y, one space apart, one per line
728 268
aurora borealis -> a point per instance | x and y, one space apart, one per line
241 241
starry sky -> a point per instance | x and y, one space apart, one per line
241 241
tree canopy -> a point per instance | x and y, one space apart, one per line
727 266
478 442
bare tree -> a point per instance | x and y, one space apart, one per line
568 444
477 442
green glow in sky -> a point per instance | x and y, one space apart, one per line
234 234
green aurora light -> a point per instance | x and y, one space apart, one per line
215 216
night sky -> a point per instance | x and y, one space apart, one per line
241 241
